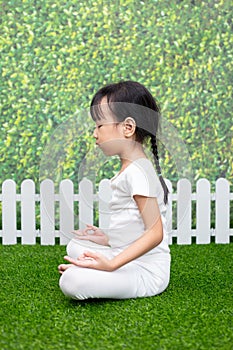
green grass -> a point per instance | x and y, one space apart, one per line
194 313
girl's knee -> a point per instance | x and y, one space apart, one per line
72 249
69 284
75 248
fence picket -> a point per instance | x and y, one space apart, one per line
184 212
85 203
47 209
203 211
87 198
169 211
28 221
66 211
9 228
222 209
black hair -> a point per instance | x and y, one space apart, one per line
132 99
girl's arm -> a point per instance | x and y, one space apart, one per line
152 236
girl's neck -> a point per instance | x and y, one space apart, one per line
131 156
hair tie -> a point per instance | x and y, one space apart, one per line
159 175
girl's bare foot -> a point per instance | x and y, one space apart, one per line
63 267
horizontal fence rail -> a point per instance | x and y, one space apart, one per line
49 216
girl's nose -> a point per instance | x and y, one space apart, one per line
95 134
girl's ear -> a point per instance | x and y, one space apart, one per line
129 127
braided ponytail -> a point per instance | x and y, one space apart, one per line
158 168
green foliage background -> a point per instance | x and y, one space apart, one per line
56 54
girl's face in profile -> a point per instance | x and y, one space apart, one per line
108 132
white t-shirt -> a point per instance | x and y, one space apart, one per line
126 224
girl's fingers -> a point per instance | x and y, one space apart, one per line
92 227
71 260
84 262
76 261
91 260
78 232
63 267
84 237
81 257
81 233
91 255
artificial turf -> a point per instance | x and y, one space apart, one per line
195 312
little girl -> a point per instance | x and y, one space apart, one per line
131 258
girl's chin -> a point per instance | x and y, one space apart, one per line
108 152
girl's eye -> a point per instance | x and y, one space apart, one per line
99 126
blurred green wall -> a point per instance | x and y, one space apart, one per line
56 54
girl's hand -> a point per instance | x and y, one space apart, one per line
92 260
96 236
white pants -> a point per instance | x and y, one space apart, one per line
142 277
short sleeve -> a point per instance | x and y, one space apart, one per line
143 180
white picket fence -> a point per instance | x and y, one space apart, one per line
65 200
